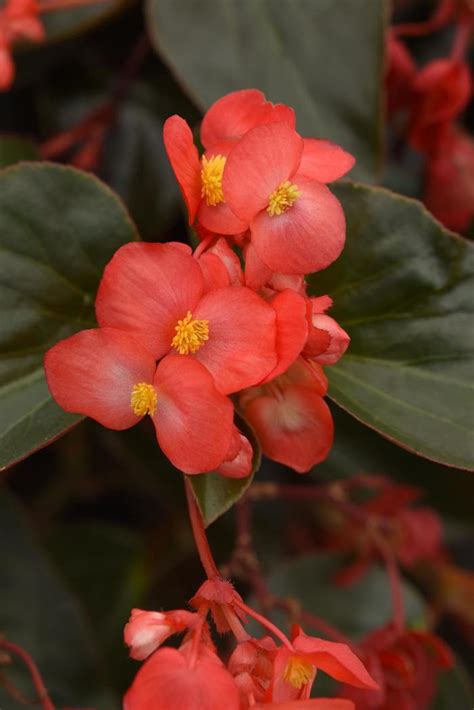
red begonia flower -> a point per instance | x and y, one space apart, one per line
324 161
200 181
291 419
230 117
406 665
155 292
7 67
326 330
449 191
147 630
109 376
297 225
214 271
230 260
169 680
443 89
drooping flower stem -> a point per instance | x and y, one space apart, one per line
199 533
393 572
36 678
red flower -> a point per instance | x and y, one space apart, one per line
406 665
146 630
294 670
327 341
442 89
449 192
314 704
273 181
291 419
239 458
156 293
18 21
401 72
180 680
108 375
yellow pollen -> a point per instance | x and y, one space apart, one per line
211 179
190 334
143 399
282 198
298 672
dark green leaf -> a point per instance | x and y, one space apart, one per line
324 58
39 614
361 609
59 227
403 290
67 23
95 557
15 148
215 494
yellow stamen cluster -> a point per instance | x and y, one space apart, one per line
211 179
298 672
282 198
190 334
143 399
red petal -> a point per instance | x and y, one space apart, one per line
214 272
146 289
167 682
241 347
193 420
7 69
296 430
338 340
336 659
264 158
93 373
233 115
324 161
307 237
230 259
220 218
292 329
184 158
256 272
240 465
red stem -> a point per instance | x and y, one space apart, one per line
393 572
263 621
43 696
199 533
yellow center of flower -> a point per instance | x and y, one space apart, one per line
211 179
190 334
282 198
143 399
298 672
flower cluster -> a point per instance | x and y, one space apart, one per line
180 331
259 673
19 21
426 104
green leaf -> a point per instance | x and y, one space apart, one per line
356 611
403 290
216 494
38 613
454 691
59 227
95 557
65 24
15 148
324 58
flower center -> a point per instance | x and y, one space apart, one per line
143 399
211 179
190 334
298 672
282 198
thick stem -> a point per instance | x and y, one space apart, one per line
43 696
199 533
